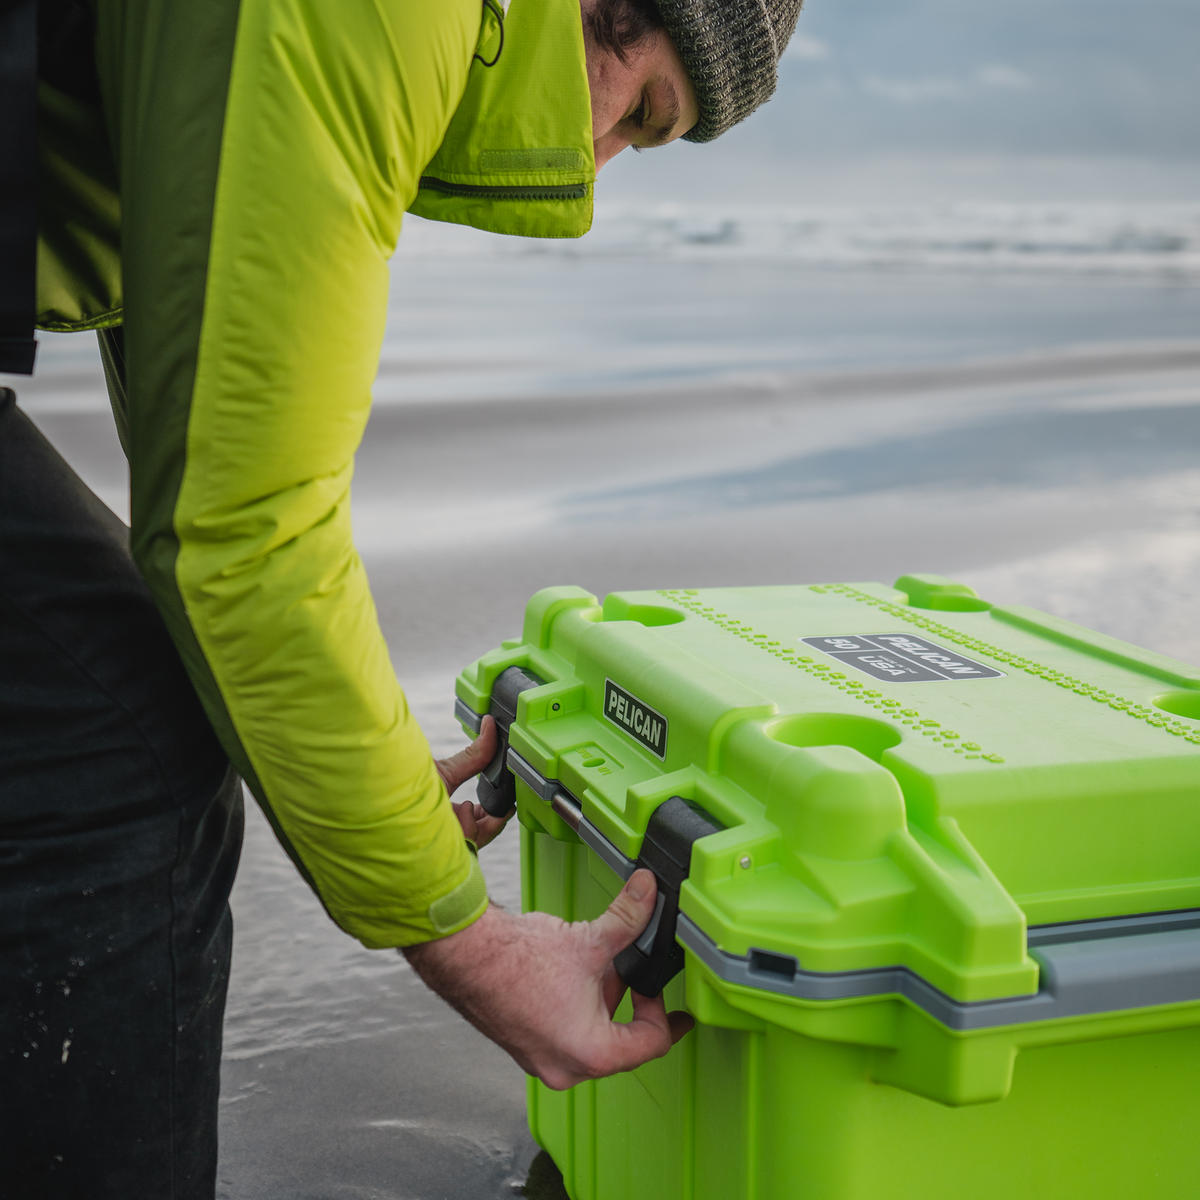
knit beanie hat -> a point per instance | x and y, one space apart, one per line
730 49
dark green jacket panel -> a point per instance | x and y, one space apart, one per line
79 216
164 75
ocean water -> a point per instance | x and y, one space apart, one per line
1141 238
671 296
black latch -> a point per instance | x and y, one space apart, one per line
656 957
496 790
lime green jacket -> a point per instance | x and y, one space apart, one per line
233 203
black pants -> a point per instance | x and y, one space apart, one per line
120 827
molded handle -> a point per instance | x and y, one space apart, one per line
496 790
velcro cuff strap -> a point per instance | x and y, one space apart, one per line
464 904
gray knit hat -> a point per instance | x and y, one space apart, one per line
731 49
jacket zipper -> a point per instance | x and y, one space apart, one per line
568 191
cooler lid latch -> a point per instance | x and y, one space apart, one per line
497 790
651 962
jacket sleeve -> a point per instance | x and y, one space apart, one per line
267 151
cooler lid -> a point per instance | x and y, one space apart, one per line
908 776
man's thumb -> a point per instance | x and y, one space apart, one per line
628 914
460 767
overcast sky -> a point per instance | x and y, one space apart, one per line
1067 98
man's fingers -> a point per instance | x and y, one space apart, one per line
653 1013
465 812
680 1023
627 915
488 828
460 767
476 824
612 988
648 1035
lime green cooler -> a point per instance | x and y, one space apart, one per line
943 939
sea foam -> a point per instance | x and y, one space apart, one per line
1128 239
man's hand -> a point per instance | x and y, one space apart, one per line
546 991
466 764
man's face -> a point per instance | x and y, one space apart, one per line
646 101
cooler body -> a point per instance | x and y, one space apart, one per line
946 938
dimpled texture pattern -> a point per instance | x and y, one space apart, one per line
731 50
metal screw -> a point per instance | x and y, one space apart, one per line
744 862
555 707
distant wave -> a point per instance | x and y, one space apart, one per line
1126 239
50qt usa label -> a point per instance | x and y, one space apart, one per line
901 658
638 720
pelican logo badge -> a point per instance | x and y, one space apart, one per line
638 720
